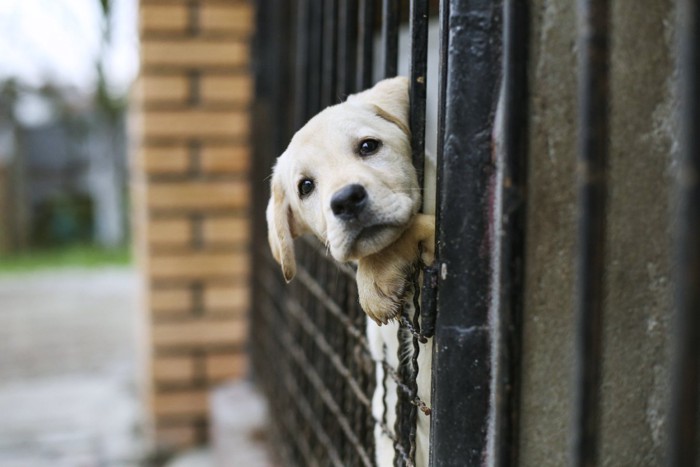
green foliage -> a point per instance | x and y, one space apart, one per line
82 256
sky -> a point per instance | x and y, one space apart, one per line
59 42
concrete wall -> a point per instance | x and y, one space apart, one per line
638 286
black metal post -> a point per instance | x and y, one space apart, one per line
347 48
366 47
683 423
465 236
316 47
330 43
301 79
418 75
512 167
593 98
391 16
406 410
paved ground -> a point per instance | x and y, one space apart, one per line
68 393
68 379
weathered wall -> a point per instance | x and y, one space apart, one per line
191 194
638 297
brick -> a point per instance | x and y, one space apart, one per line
167 300
234 296
195 123
219 367
181 403
170 232
231 159
194 52
164 160
198 195
232 89
233 18
199 332
165 88
165 17
199 265
173 369
226 230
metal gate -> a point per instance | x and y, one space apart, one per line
309 349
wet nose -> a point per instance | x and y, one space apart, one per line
349 201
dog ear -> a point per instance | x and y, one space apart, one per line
279 229
390 100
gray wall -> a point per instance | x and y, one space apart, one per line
638 295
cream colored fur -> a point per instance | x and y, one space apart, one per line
384 241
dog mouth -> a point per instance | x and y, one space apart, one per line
372 239
370 232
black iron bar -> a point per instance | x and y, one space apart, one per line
466 170
418 76
301 84
330 44
365 51
593 98
391 16
347 48
512 166
316 53
683 422
406 410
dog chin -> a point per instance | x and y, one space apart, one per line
366 241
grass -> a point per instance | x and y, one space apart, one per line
82 256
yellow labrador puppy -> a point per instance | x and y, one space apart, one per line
347 177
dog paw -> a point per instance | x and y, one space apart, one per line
424 231
383 281
382 292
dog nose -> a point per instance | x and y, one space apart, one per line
349 201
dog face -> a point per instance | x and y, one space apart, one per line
347 177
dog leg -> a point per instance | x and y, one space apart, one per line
383 278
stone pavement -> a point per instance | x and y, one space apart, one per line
68 388
68 379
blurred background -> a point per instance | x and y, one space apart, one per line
123 233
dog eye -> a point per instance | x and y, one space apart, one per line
368 146
306 186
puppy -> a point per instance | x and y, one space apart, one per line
347 177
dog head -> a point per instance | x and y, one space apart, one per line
347 177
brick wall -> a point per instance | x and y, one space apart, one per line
191 196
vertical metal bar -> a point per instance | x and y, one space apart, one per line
418 74
271 118
391 16
683 422
347 48
512 167
330 69
465 236
406 410
301 97
593 97
315 51
366 48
